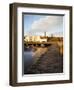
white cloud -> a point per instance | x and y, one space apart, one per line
48 24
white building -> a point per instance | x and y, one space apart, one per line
35 39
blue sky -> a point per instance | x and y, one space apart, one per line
38 24
28 21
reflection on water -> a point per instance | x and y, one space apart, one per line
28 59
28 55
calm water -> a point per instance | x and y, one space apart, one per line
28 59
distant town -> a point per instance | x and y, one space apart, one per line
43 40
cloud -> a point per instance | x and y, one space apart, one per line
48 23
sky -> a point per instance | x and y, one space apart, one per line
38 24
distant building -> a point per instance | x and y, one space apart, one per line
35 39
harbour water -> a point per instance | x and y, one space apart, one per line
28 59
